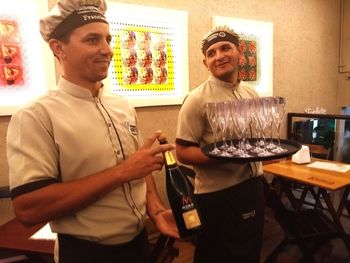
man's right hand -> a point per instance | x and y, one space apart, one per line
146 159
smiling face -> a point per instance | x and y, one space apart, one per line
222 59
86 56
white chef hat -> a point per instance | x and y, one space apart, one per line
67 15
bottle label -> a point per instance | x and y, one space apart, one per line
187 203
191 219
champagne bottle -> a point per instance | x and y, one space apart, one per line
180 195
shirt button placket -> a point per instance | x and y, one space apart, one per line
110 127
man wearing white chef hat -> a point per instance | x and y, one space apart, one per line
76 157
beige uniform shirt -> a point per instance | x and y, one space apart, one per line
67 135
193 128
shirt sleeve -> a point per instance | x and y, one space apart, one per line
31 152
190 121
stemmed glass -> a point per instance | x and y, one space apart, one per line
243 122
231 128
249 120
236 126
263 115
239 120
268 103
223 114
212 115
254 107
278 112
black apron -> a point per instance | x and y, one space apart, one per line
234 220
74 250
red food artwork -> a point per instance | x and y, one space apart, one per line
11 63
11 75
248 61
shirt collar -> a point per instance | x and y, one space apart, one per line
224 84
76 90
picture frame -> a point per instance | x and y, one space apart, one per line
150 46
26 63
256 40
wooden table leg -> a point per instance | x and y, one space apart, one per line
336 216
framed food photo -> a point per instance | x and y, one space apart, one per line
256 43
26 64
150 63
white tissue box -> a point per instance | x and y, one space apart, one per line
302 156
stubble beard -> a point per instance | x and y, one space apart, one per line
231 75
227 76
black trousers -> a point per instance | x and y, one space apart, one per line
74 250
234 219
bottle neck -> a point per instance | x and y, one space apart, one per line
169 158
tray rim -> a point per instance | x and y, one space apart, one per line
296 144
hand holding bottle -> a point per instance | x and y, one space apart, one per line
180 195
165 223
146 159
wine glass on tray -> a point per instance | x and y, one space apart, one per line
213 119
223 112
278 112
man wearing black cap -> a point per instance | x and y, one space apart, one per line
230 195
76 157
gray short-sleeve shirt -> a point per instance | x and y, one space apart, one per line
193 128
68 134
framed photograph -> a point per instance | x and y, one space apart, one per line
150 63
26 63
256 43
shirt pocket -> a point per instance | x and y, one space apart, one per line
129 137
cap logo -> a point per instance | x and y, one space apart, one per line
87 17
215 35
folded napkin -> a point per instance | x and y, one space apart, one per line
44 233
302 156
342 168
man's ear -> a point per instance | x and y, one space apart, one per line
57 48
205 62
239 48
